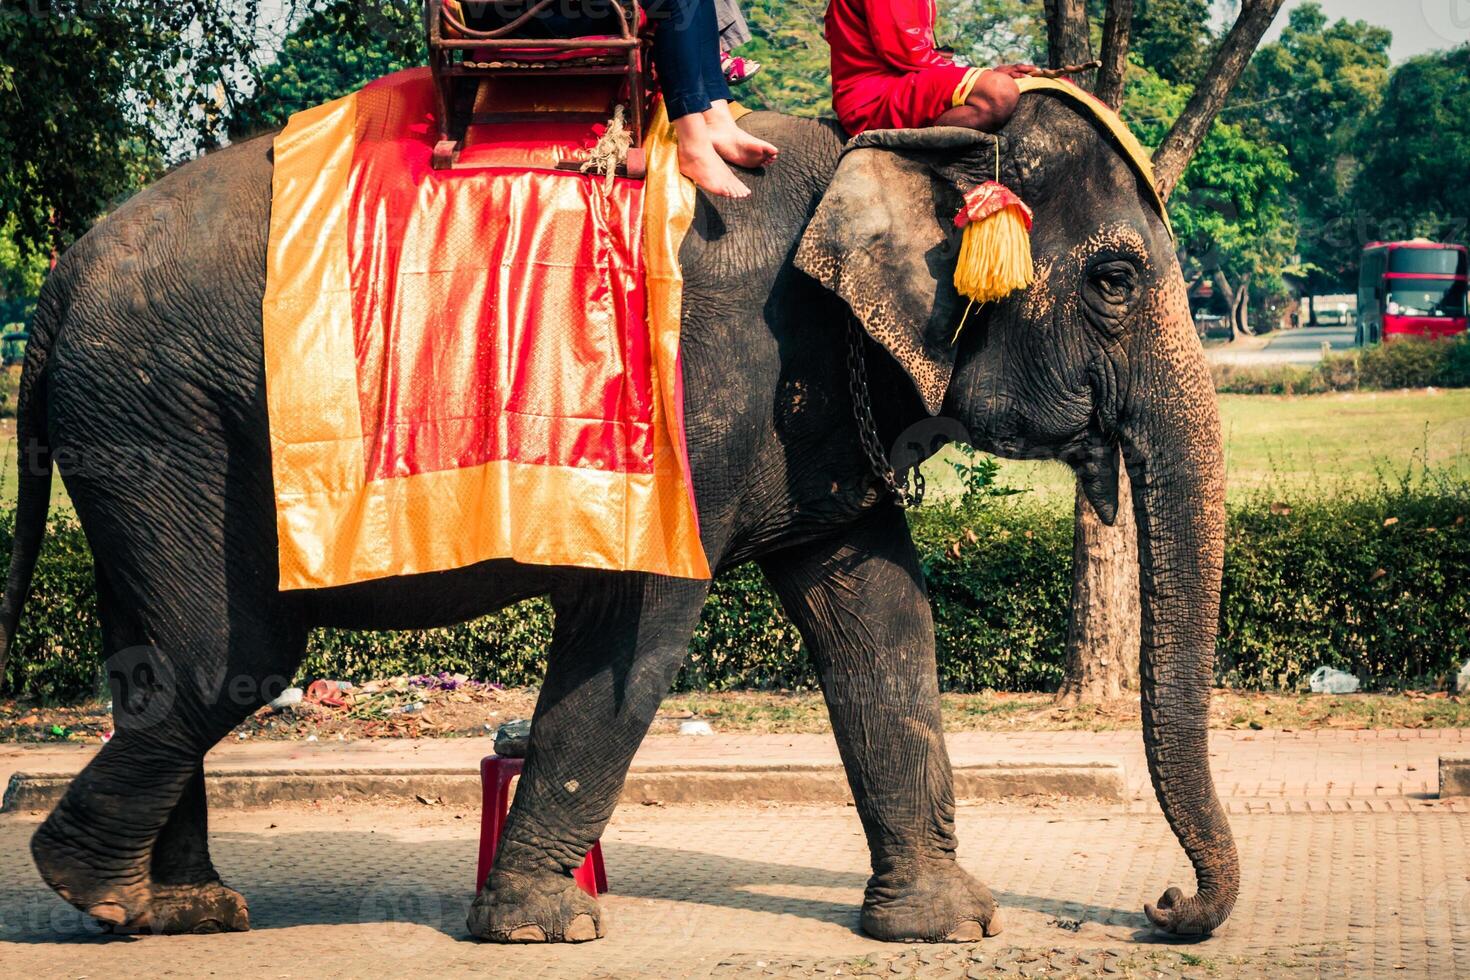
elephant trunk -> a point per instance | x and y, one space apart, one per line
1176 464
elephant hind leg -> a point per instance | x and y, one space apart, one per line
128 842
618 643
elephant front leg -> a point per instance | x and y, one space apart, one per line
618 643
860 604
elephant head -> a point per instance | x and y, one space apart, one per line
1098 355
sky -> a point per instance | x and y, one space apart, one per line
1418 25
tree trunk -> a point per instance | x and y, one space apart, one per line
1240 315
1103 638
1237 298
1117 27
1102 641
1311 305
1068 39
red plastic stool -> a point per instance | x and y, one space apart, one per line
496 772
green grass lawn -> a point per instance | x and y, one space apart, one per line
1291 444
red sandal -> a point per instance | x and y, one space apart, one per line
738 70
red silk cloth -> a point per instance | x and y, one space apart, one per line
478 363
498 313
887 69
990 198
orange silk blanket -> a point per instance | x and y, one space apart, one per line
471 364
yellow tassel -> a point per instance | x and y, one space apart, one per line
995 255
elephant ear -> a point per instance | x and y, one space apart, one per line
883 239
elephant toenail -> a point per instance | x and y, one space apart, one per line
527 934
968 932
110 913
582 929
994 926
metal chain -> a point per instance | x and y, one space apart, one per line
909 492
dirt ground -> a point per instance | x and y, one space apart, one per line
407 711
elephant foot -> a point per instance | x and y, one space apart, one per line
518 908
930 902
1186 918
129 902
196 909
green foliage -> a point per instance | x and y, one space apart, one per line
787 39
1173 38
994 32
1376 582
1312 92
1382 367
1231 209
979 475
57 653
1416 151
1412 364
340 46
94 97
1000 583
1272 379
20 277
1373 578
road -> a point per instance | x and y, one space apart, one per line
704 891
1350 867
1303 346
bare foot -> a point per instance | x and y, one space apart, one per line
733 144
711 173
701 163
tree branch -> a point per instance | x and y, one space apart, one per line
1117 31
1189 130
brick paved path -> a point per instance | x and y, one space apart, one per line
705 891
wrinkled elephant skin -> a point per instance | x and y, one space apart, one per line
148 338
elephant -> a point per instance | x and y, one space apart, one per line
148 336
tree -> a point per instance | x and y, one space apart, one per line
1172 37
337 47
1313 92
787 39
1416 152
1233 216
994 32
1103 641
96 98
20 278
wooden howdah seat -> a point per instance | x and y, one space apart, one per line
493 63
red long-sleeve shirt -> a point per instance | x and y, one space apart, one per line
876 44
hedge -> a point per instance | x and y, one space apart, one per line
1375 581
1381 367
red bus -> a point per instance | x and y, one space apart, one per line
1411 289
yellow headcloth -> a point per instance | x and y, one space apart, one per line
1137 156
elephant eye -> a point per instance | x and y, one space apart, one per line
1115 281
